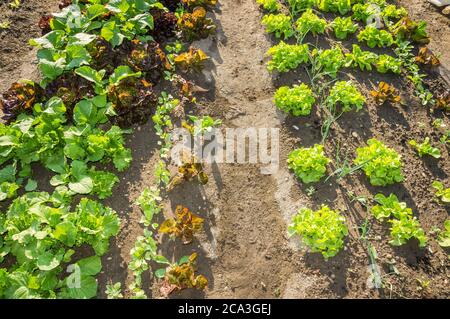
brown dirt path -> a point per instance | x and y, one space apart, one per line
244 250
17 58
438 25
249 254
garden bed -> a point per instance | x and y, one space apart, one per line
244 250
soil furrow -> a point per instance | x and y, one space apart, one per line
252 246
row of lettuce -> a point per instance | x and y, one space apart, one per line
103 67
379 24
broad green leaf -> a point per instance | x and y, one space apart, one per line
31 185
48 54
47 261
100 246
122 72
8 140
78 169
24 124
22 293
66 232
49 280
95 10
74 151
57 180
111 225
85 288
100 101
83 186
160 259
111 33
118 6
90 266
68 255
55 106
91 75
77 55
56 163
183 260
52 69
94 25
52 40
83 112
8 173
142 22
144 6
160 273
122 159
81 38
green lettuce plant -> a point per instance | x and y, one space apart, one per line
41 232
359 58
381 164
8 190
345 94
329 61
442 193
425 148
386 63
296 6
444 235
336 6
322 231
114 291
45 137
343 27
404 226
375 37
308 164
297 100
279 24
287 57
362 11
269 5
310 22
393 12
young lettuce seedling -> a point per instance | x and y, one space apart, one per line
425 148
322 231
381 164
184 225
308 164
279 24
385 93
269 5
310 22
404 225
181 275
297 100
286 57
346 94
343 27
444 235
442 193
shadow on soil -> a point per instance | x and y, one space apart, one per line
143 143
